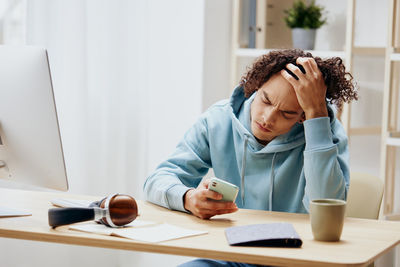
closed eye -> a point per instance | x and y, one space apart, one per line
287 115
284 114
266 101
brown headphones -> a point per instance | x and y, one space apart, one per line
114 211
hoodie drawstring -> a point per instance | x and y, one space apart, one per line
272 174
246 139
271 182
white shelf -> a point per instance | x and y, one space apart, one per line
395 57
252 52
393 141
358 50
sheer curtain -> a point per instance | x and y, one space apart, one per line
128 83
127 78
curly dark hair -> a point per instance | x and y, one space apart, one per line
340 85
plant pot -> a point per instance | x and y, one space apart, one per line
303 38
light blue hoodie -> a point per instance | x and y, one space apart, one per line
308 162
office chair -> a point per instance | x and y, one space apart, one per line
364 197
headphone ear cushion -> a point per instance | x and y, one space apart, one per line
123 210
64 216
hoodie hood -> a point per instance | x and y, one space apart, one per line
241 120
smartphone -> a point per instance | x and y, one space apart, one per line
228 191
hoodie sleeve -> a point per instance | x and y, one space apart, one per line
183 170
326 158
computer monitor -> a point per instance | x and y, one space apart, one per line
30 142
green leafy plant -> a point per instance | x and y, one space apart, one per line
301 15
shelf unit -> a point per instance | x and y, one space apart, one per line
252 52
347 55
388 130
390 135
362 51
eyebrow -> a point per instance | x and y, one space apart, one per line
286 111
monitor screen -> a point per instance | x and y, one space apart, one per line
30 143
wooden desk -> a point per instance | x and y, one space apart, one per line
362 240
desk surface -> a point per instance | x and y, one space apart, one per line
362 240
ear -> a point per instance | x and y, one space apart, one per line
302 118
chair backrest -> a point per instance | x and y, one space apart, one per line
364 196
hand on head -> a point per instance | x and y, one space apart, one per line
310 87
205 203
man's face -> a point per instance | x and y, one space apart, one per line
275 109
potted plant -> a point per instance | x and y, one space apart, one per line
304 19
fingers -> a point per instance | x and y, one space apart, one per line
204 184
314 66
211 200
207 213
218 205
295 70
208 194
312 73
204 207
306 63
311 67
289 78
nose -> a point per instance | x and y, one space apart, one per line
269 118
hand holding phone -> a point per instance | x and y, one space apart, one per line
205 203
228 191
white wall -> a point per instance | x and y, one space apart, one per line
217 51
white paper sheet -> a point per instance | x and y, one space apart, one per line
157 233
92 228
10 212
138 223
140 230
105 230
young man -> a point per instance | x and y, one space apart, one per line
277 139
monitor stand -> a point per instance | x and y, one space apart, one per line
7 211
